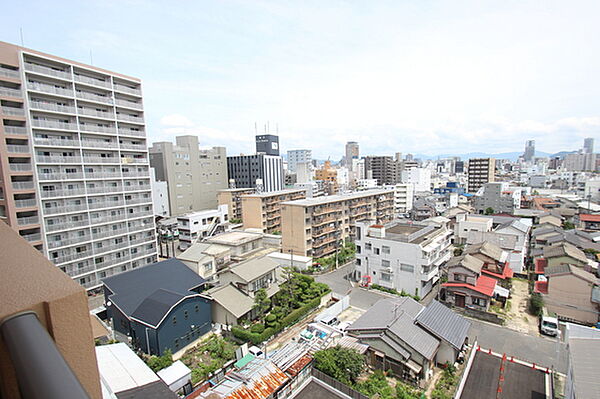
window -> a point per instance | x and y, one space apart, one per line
407 268
358 261
385 249
174 320
385 263
460 277
208 267
376 251
386 277
197 308
368 246
358 249
478 301
185 314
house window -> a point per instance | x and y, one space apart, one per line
358 249
386 277
208 267
376 251
174 320
358 261
478 301
407 268
197 308
460 277
185 314
368 246
385 249
385 263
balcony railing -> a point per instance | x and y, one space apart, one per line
51 107
68 241
91 81
104 189
32 237
130 118
69 257
13 111
105 204
137 187
134 201
55 142
136 174
88 159
8 92
87 127
44 88
60 176
109 233
101 175
65 225
22 185
127 160
99 144
53 124
139 147
129 90
9 73
47 71
106 218
20 167
25 203
15 130
23 221
62 193
94 97
18 149
57 159
129 132
129 104
64 209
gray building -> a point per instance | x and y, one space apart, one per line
247 169
529 150
382 168
480 172
588 145
267 144
294 157
494 196
193 175
352 152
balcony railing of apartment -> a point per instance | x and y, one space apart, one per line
87 127
94 97
23 221
69 256
25 203
105 204
45 88
101 175
41 370
53 124
129 90
130 118
91 81
137 187
22 185
13 111
139 227
32 237
64 209
109 233
55 142
134 201
8 92
20 167
128 104
60 176
136 174
141 240
140 147
76 271
57 159
104 189
57 226
17 149
99 144
62 193
131 132
68 241
92 159
110 248
15 130
106 218
52 107
134 160
9 73
93 112
47 71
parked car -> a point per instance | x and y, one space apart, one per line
548 324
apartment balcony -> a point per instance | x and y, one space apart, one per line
68 241
110 248
140 214
92 81
145 174
76 272
65 109
107 218
96 113
88 159
134 201
99 144
129 132
105 204
17 149
47 71
62 193
51 142
8 92
104 189
15 130
142 240
137 147
128 90
130 118
141 227
20 167
13 111
110 233
70 257
86 127
27 220
60 176
65 225
33 237
49 89
94 97
128 104
23 185
138 187
127 160
102 175
64 209
53 124
144 252
9 73
26 203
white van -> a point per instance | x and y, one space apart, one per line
548 324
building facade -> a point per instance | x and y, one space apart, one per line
267 144
316 227
232 197
403 198
263 210
160 195
197 225
419 178
294 157
529 151
352 152
75 178
245 170
480 171
382 168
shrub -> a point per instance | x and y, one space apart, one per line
536 304
257 328
157 363
343 364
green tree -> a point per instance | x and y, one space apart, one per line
343 364
157 363
568 226
262 303
489 211
536 304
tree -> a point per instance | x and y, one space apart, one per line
489 211
343 364
262 303
157 363
568 226
458 251
536 304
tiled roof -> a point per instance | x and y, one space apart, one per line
507 272
584 217
444 323
541 287
484 285
468 261
565 249
540 265
488 249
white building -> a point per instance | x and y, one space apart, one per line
403 198
405 257
592 189
420 178
466 223
304 172
193 226
312 188
160 195
294 157
366 184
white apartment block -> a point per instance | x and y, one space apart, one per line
420 178
294 157
74 164
366 184
467 222
196 225
405 257
160 195
403 198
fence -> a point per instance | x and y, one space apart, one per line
345 389
335 309
480 314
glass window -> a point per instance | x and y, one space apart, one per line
385 249
385 263
407 268
386 277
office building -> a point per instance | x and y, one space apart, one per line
480 171
75 177
352 152
194 175
499 197
263 210
294 157
529 153
328 175
316 227
404 257
267 144
382 168
588 145
580 162
198 225
232 197
419 178
260 171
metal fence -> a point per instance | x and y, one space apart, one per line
345 389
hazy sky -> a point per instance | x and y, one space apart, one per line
409 76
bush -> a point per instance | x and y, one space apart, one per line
394 292
343 364
157 363
536 304
257 328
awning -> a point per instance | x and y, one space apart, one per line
413 366
501 291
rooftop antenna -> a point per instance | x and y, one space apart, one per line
255 128
22 41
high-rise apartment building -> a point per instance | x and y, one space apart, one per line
529 153
328 175
315 227
263 210
267 144
419 178
245 170
480 171
194 176
352 152
74 172
382 168
232 197
294 157
588 145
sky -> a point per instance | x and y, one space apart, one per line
425 77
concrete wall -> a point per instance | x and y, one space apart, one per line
570 297
446 353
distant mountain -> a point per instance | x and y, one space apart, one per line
513 156
562 154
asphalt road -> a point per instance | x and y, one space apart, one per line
544 351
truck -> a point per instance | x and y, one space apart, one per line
548 323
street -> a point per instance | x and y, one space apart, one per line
538 349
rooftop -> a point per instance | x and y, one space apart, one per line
336 198
275 193
583 355
201 249
254 268
232 299
444 324
234 238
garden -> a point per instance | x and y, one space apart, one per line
344 255
297 297
394 292
208 356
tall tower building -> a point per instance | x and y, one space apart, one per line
352 152
294 157
194 176
529 153
246 170
588 145
74 172
267 144
481 171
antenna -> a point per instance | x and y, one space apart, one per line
255 128
22 41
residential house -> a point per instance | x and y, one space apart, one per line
550 219
159 306
517 254
241 244
234 299
495 260
405 257
565 253
466 223
468 286
589 222
570 292
206 259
